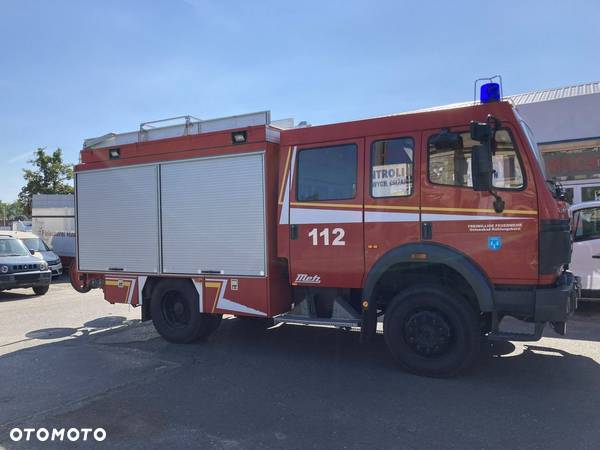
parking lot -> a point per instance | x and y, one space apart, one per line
72 360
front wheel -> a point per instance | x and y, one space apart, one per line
41 290
432 331
176 314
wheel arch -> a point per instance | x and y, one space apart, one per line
436 254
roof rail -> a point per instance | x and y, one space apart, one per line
148 131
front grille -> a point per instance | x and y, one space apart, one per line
23 278
25 267
54 262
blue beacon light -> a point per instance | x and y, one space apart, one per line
490 92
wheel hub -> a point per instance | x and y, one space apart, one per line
175 310
428 333
178 308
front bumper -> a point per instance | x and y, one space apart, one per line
557 303
57 269
539 304
25 279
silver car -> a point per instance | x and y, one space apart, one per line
39 248
20 269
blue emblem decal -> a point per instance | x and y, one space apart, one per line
494 243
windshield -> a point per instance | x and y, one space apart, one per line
534 147
12 247
36 244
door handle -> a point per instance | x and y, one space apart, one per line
596 256
293 232
426 232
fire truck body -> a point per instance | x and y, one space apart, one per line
194 206
403 216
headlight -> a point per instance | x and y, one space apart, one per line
43 266
4 269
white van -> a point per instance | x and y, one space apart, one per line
585 262
582 191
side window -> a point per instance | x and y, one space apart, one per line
587 224
570 194
327 173
507 168
452 167
392 168
589 193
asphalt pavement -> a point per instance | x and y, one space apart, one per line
70 360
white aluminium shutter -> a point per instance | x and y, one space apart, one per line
117 219
213 215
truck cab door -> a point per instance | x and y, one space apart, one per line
326 215
504 244
391 190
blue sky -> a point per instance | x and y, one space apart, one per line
76 69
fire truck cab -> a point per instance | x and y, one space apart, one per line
439 222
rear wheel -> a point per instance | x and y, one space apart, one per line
432 331
176 313
40 290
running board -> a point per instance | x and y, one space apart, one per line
304 320
520 337
304 313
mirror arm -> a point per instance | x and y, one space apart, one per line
499 203
495 125
494 122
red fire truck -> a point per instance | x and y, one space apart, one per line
437 223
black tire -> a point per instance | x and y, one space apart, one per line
432 331
80 286
41 290
175 312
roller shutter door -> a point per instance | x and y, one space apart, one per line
117 219
213 216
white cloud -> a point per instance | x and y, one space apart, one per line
19 157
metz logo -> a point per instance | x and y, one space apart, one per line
304 278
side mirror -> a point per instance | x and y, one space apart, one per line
447 141
481 167
32 252
481 132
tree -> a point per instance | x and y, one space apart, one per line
50 175
11 211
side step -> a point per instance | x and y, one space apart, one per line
289 318
343 315
521 337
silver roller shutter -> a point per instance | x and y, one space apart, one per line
117 219
213 215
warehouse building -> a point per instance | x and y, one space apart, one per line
566 124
